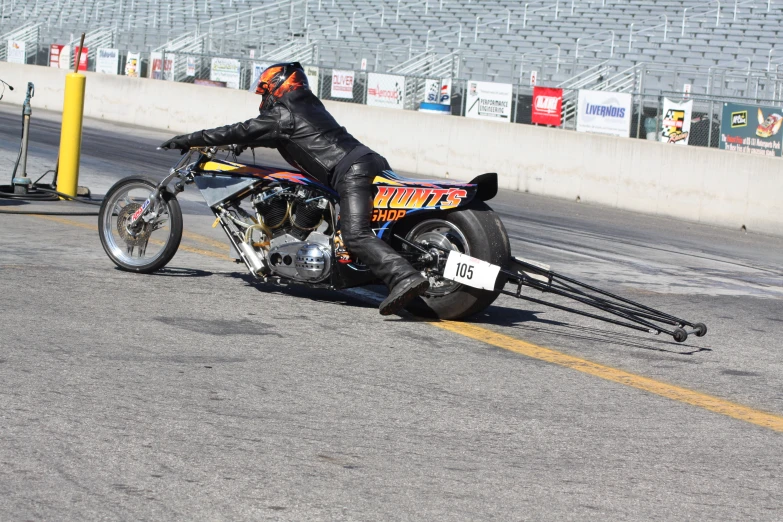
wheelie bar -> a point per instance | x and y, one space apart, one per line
634 315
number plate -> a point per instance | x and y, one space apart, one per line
471 271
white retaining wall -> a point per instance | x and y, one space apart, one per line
693 183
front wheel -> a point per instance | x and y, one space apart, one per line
147 245
476 231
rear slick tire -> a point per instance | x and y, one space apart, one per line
486 240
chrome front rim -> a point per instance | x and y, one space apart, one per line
445 236
140 244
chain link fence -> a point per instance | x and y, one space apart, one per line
409 92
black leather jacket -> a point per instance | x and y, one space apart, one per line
301 129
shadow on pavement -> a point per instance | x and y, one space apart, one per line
528 321
171 271
321 295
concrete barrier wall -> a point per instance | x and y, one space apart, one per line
709 186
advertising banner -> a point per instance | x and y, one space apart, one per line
676 124
445 91
190 66
133 65
489 101
752 129
107 61
156 66
431 91
314 79
168 67
385 90
602 112
16 52
547 106
59 56
342 84
225 70
82 59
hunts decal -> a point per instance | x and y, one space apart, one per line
392 203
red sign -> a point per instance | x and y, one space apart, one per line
547 106
82 60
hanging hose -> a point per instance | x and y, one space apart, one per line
37 192
42 192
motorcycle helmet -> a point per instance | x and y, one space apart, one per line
278 79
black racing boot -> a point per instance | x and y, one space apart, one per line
403 293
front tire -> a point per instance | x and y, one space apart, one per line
150 247
476 231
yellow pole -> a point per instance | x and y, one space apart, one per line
71 134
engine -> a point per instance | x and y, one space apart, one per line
299 221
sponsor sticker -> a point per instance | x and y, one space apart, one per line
136 215
739 119
418 197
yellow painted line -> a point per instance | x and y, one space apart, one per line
472 331
64 221
89 226
670 391
221 245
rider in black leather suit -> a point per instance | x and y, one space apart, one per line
294 121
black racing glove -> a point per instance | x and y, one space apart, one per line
177 142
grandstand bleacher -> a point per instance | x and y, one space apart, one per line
495 40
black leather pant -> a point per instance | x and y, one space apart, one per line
355 190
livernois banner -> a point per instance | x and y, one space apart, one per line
602 112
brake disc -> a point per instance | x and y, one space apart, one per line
141 237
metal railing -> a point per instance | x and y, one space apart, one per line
599 43
588 78
550 5
429 64
507 21
665 29
29 34
685 16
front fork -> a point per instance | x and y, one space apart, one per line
150 209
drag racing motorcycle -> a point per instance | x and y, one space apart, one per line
284 226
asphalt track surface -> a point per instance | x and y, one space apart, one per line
196 393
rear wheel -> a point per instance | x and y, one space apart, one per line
475 231
145 246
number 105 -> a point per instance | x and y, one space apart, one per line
465 270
